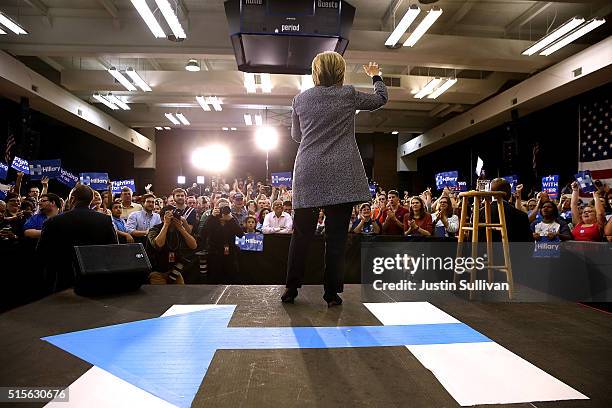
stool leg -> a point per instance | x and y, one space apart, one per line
489 234
475 226
461 236
507 261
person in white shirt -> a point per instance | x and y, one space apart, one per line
278 221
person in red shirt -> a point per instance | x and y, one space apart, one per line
418 222
588 225
393 215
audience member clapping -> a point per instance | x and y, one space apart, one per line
445 222
278 221
418 221
365 224
551 228
588 223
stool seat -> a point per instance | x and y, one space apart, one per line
476 193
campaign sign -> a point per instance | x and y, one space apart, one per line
97 181
67 178
372 189
45 168
118 185
282 179
460 187
252 241
3 171
513 180
586 181
4 188
550 185
21 165
546 248
446 179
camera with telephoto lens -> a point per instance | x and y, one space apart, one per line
177 213
225 210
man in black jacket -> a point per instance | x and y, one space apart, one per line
59 235
517 222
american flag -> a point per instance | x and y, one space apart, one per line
8 150
595 119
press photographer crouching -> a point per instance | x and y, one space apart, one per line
218 237
169 246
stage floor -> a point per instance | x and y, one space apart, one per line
568 341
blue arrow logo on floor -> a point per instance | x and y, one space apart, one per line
169 356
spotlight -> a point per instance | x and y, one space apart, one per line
200 179
192 66
266 138
214 158
181 180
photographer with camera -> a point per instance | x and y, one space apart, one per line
170 244
218 237
189 213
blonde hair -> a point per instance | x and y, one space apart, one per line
328 69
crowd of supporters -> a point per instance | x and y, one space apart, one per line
180 227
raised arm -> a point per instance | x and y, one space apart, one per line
574 203
372 101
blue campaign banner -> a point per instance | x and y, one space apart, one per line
118 185
97 181
545 248
282 179
373 189
550 185
67 178
21 165
447 179
513 180
45 168
586 181
460 187
3 171
252 241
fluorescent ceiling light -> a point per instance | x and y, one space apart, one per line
427 89
122 79
172 119
214 101
167 128
2 32
430 18
146 14
249 82
395 132
115 100
233 128
158 128
266 83
591 25
307 82
442 88
181 180
248 120
11 25
554 35
183 119
202 101
101 99
225 128
137 79
171 18
402 26
258 120
192 66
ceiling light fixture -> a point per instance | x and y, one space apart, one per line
233 128
249 82
202 101
402 26
183 119
258 120
146 14
427 89
266 83
121 78
167 128
172 119
102 100
430 18
2 32
554 35
225 128
395 132
116 101
137 79
158 128
171 18
590 26
192 66
11 25
442 88
216 103
248 120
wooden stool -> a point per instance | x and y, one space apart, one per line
485 196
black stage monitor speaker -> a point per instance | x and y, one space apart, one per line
104 269
283 36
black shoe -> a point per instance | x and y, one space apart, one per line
332 300
289 295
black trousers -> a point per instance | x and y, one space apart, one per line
337 218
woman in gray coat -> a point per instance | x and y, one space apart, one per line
328 171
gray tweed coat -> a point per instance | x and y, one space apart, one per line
328 169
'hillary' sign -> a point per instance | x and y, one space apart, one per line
97 181
253 241
446 179
118 185
513 180
550 185
45 168
585 181
3 171
21 165
282 179
67 178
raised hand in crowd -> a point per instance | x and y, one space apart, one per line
45 185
